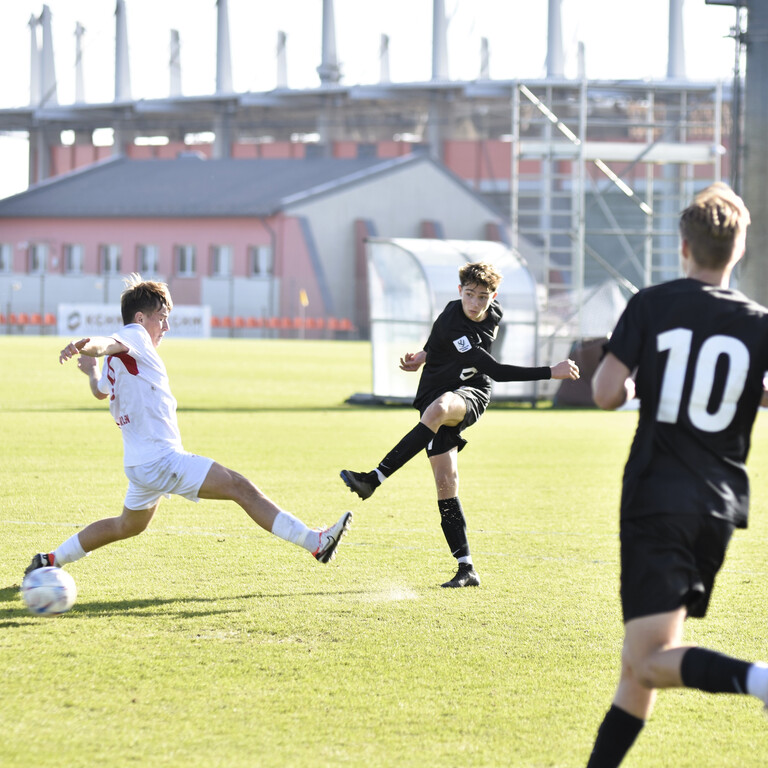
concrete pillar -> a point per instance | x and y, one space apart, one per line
329 69
438 111
174 65
282 61
34 63
439 41
485 59
82 137
555 55
122 136
48 88
670 202
754 272
223 49
122 63
79 77
222 143
676 51
384 59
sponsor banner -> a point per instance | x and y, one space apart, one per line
102 319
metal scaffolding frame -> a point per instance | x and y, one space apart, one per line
600 172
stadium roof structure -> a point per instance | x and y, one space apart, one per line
197 187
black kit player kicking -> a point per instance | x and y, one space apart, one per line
453 393
699 351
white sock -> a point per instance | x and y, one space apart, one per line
467 560
69 551
382 477
757 681
290 528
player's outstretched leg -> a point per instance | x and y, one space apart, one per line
361 483
41 560
466 576
329 538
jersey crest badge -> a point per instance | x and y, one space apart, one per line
463 344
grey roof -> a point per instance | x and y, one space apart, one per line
192 187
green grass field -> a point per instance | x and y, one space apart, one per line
207 642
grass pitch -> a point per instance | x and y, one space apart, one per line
207 642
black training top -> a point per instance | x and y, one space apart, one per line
458 355
700 352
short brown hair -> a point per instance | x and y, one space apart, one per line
480 273
143 296
712 225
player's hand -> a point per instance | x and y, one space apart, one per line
412 361
565 369
72 349
87 364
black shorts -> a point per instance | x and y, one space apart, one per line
450 437
669 561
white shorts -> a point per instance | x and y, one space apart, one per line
180 473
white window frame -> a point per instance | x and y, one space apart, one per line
110 259
6 257
147 259
37 258
74 258
222 261
186 260
260 261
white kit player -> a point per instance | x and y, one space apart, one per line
135 380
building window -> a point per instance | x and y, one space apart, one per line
221 261
38 258
260 260
148 260
73 259
185 260
6 257
109 259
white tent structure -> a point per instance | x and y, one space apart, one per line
409 283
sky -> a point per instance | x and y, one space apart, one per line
623 39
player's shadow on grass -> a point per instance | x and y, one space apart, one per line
142 607
150 606
9 593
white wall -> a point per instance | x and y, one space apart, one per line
396 202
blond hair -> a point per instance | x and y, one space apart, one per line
713 224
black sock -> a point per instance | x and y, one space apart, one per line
713 672
454 526
616 735
414 442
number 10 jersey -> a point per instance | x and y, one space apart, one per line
699 353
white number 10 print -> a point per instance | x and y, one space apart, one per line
678 343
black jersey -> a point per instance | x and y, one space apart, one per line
459 355
700 354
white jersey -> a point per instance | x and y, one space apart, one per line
140 398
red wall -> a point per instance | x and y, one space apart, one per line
474 161
291 260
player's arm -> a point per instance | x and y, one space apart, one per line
95 346
90 367
487 364
412 361
612 384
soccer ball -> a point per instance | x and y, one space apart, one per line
48 591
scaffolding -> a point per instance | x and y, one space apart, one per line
600 173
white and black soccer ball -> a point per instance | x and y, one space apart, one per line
48 591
